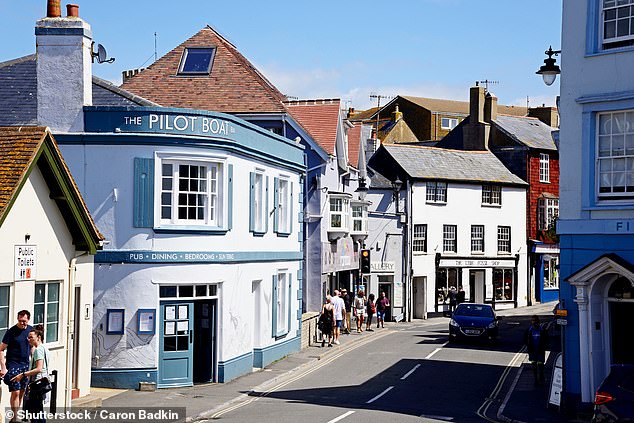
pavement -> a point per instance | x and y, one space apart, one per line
519 399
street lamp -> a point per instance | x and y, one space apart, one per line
362 189
396 187
549 70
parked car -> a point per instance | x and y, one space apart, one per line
614 400
473 321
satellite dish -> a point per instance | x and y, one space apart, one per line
101 54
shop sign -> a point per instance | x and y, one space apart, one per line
25 264
476 263
382 266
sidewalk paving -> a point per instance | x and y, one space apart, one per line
203 400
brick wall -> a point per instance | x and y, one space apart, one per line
537 188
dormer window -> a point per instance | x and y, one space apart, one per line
196 61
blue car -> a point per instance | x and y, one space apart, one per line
614 400
473 321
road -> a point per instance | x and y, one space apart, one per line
406 375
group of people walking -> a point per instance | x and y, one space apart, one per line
339 309
23 361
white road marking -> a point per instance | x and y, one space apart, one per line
410 372
380 395
343 416
431 354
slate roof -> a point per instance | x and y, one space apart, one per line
234 85
433 163
320 118
20 150
459 107
528 131
18 92
397 132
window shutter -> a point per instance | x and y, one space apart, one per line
143 192
267 216
290 207
230 197
276 204
252 202
274 307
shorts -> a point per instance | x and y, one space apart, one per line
380 315
360 312
12 372
338 325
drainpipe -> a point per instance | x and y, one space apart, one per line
70 320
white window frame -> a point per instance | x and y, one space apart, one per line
282 299
607 7
544 168
259 201
45 321
419 238
451 123
491 195
547 212
450 239
614 151
6 309
214 211
359 214
477 239
504 240
284 205
339 205
436 192
551 272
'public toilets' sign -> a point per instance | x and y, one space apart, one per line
25 262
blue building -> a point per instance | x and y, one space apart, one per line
597 192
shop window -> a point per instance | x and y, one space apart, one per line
503 284
419 243
445 279
46 309
551 272
436 192
196 61
4 309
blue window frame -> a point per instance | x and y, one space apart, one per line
196 61
146 321
115 321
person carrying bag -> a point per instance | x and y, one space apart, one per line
39 387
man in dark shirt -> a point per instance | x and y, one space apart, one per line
16 345
348 303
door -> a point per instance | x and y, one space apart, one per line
420 286
476 286
176 350
76 326
205 340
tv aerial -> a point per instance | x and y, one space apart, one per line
101 54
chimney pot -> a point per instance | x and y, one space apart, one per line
53 9
72 10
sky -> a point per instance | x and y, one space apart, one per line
332 49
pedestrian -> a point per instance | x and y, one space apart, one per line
347 301
382 304
340 311
38 368
460 297
359 309
536 341
326 322
453 299
371 309
14 359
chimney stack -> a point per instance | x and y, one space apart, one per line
396 115
64 69
490 108
548 115
475 135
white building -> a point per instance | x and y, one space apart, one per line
47 246
465 225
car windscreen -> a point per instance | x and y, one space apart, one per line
473 310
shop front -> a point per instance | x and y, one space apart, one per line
340 266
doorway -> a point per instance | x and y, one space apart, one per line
205 340
75 340
420 305
620 323
385 285
476 286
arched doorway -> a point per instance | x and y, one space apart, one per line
621 310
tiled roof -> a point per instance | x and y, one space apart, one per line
528 131
234 85
433 163
320 118
363 114
460 107
19 148
18 92
354 145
